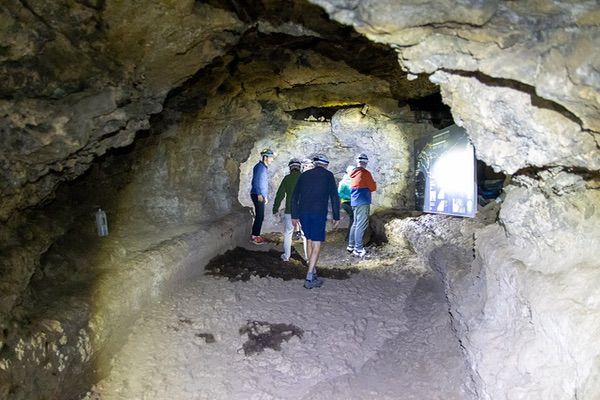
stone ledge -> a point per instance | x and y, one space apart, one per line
70 345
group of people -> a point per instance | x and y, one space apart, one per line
308 190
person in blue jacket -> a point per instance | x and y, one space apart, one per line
362 185
314 190
260 192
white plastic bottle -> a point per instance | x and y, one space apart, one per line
101 223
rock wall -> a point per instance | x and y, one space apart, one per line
522 342
387 141
519 76
168 214
86 76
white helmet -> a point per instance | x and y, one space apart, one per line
294 163
362 157
321 159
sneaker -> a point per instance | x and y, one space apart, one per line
350 249
318 282
284 258
315 283
257 240
297 235
359 253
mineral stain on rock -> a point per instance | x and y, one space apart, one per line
240 264
263 335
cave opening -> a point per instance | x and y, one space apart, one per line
157 118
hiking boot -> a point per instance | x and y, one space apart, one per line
315 283
258 240
359 253
350 249
284 258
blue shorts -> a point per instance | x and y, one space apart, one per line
313 226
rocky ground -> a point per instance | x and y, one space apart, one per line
380 331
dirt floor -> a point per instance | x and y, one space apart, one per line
377 329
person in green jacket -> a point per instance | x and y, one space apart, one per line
344 193
286 188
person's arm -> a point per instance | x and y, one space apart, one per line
259 178
263 182
371 182
280 195
296 199
335 199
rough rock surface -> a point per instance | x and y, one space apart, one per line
387 141
95 84
532 72
530 67
499 276
85 299
86 76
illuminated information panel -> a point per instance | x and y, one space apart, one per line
445 173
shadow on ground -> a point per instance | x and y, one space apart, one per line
241 264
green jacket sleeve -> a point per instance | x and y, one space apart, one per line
280 195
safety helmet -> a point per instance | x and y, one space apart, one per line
362 157
266 152
349 169
321 159
306 164
294 163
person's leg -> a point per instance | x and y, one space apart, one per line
361 220
288 231
316 235
314 255
351 222
348 208
352 231
305 227
259 215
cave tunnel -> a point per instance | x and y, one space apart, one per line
155 112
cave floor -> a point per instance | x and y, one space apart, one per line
381 333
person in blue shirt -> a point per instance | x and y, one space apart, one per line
362 185
310 200
260 192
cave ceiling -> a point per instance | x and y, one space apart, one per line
85 76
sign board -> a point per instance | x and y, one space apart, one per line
445 173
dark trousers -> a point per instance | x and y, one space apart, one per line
259 214
348 208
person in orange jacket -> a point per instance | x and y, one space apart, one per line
361 186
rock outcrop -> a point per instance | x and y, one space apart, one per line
521 78
530 67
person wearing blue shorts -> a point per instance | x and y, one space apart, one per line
310 200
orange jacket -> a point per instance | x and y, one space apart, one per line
361 178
